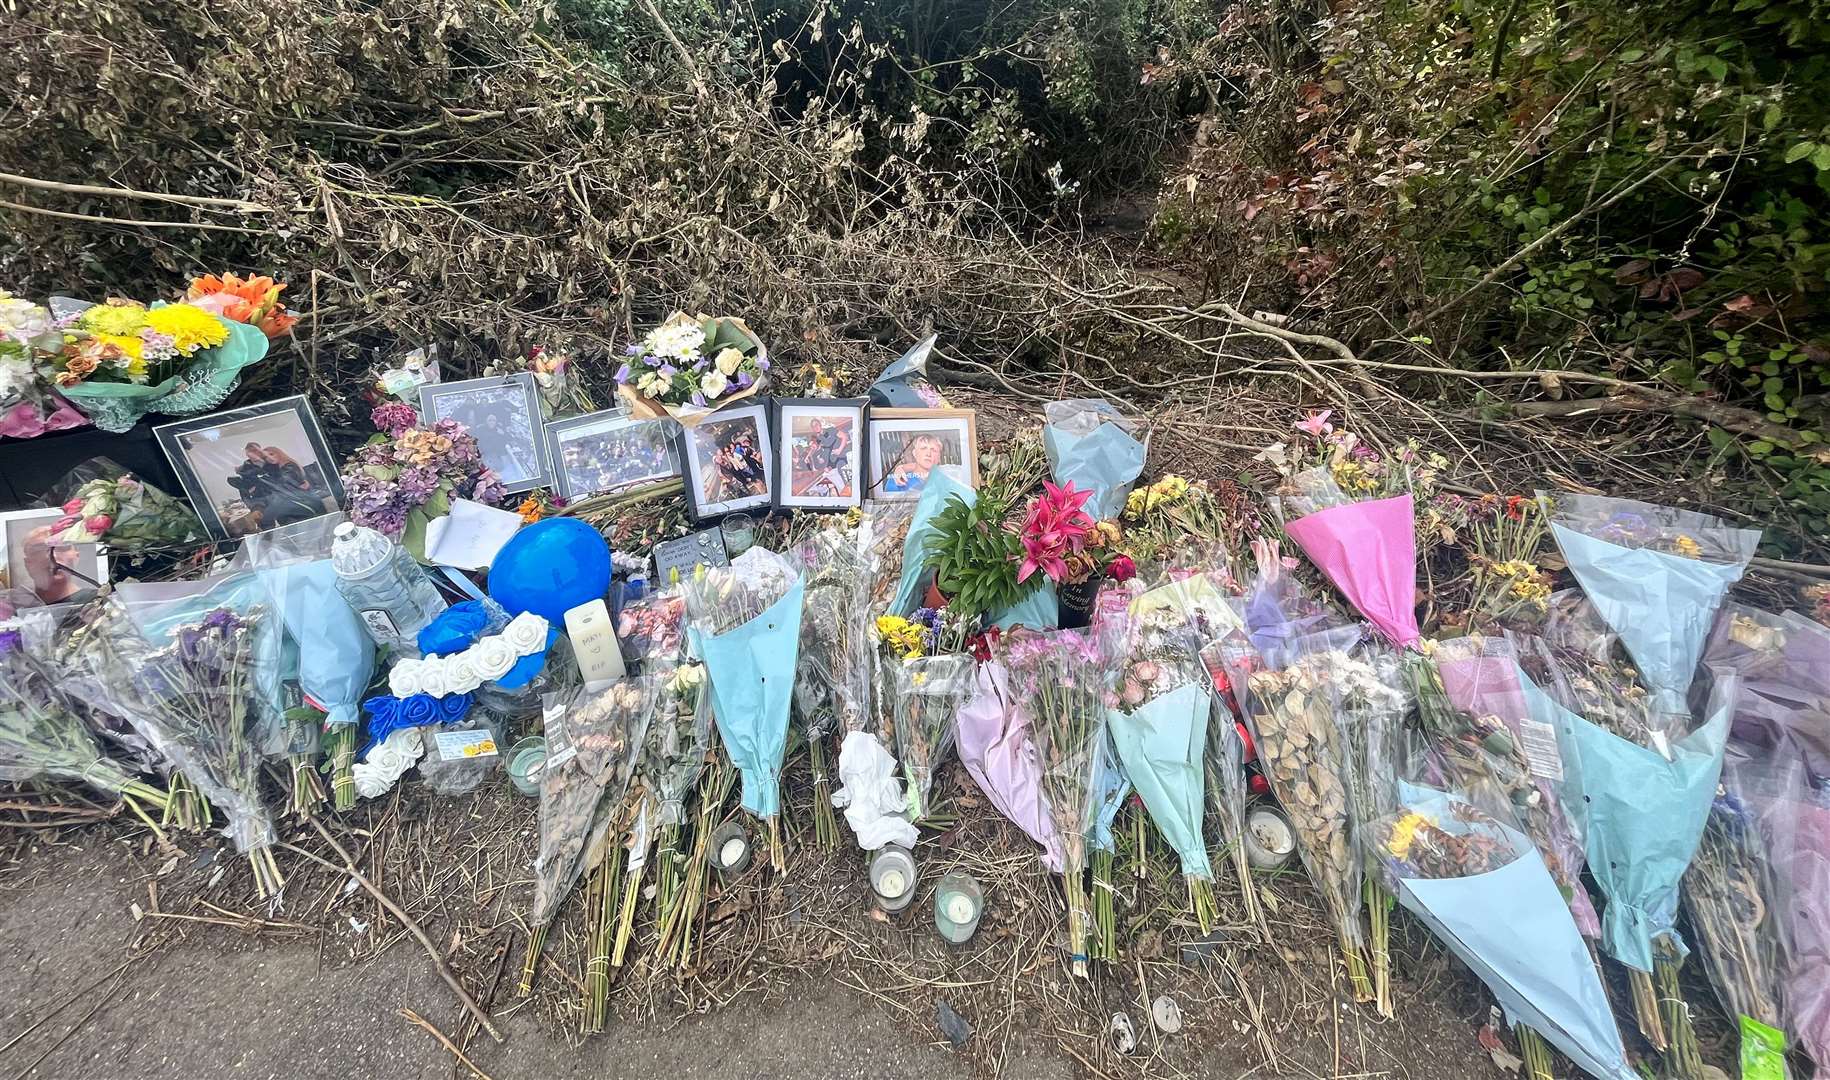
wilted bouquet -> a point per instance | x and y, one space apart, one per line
195 700
42 733
832 679
1300 747
399 481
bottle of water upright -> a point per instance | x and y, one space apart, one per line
385 585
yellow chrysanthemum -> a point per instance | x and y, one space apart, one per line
112 320
1687 547
189 328
1170 487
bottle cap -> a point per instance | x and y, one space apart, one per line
357 552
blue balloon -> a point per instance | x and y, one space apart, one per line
549 568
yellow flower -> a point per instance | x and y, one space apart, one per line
902 634
1687 547
1170 488
1134 504
189 328
113 319
1404 834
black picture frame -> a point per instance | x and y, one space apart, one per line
557 433
696 443
517 391
851 471
212 498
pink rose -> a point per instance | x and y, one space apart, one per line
74 506
65 524
98 524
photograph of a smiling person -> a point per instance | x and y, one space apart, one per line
908 445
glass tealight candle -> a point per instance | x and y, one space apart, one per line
958 903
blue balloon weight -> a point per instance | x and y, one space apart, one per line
549 568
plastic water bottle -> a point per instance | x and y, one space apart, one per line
385 585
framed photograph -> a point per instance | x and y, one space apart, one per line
255 468
906 445
53 572
603 451
727 460
503 414
819 446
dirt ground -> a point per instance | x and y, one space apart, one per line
87 990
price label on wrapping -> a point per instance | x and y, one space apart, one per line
465 745
1539 741
559 748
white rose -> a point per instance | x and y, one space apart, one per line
432 677
493 657
371 782
461 674
729 360
713 384
403 680
527 633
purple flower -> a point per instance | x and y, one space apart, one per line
744 380
622 374
667 371
632 349
394 417
11 641
698 399
762 363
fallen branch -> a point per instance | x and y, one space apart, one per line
415 1018
444 970
140 222
240 205
1646 399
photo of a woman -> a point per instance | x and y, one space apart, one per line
254 468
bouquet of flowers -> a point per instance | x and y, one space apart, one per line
1642 809
672 754
592 740
42 732
28 405
690 365
1354 514
1657 575
1482 890
560 393
746 624
1300 749
1506 535
121 359
196 700
832 681
930 680
404 477
1066 676
652 628
107 504
1159 730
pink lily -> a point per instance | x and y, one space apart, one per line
1316 423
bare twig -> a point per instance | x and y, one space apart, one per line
240 205
420 1021
444 969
